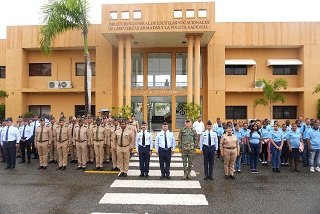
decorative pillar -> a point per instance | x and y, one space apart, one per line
189 72
120 71
128 70
197 69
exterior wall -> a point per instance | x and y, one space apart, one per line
2 63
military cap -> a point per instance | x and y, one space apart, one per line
61 119
165 123
78 117
52 118
42 119
187 120
61 112
9 119
209 123
25 120
81 120
143 123
20 116
70 117
97 119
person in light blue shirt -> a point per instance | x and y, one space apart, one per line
295 143
285 149
305 154
144 147
276 147
265 134
254 147
9 139
245 138
2 125
25 136
208 146
220 131
165 145
313 140
237 163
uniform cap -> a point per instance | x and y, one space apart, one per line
187 120
143 123
42 119
20 116
165 123
70 118
61 119
52 118
9 119
97 119
209 122
61 112
25 120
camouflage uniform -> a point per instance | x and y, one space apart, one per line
188 139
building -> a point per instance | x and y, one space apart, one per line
165 42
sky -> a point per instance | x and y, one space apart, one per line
27 12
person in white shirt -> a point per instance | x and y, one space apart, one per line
25 143
199 127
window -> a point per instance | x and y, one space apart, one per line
40 109
284 69
2 72
159 70
190 13
40 69
236 70
137 70
125 15
137 108
80 68
79 110
202 13
137 14
284 112
177 14
236 112
180 111
181 70
113 15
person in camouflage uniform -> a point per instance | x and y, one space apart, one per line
188 139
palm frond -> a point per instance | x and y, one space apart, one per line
278 97
280 83
316 89
260 101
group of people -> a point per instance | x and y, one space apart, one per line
105 139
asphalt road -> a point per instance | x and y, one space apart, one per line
28 190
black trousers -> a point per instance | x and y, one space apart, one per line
208 159
23 147
165 160
144 159
9 149
34 150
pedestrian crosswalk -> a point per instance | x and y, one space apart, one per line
120 193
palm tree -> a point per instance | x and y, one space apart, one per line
316 89
270 93
59 17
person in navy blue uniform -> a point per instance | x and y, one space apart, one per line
209 147
25 135
144 149
165 146
9 139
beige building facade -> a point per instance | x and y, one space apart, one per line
158 57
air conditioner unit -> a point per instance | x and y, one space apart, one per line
255 86
53 84
65 84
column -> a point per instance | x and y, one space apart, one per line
120 71
128 70
189 73
197 69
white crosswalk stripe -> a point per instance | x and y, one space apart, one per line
173 173
156 183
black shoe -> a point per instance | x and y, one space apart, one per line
161 177
168 177
3 161
125 175
44 167
8 167
113 169
100 168
147 176
63 168
273 170
121 174
278 170
232 177
52 161
59 168
83 168
107 162
28 161
291 170
78 168
205 178
12 167
96 168
75 161
227 177
141 175
18 156
22 161
296 170
117 169
40 167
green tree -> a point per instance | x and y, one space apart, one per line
318 115
271 96
61 16
317 89
193 111
124 111
2 111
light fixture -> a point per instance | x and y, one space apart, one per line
184 42
136 43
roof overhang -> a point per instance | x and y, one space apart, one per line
283 62
240 62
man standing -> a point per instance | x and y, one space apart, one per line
62 138
107 126
188 139
144 149
53 147
209 147
73 151
98 139
81 137
199 127
34 125
42 142
135 123
3 124
18 125
125 140
25 135
305 154
9 139
165 145
90 158
313 139
114 145
220 131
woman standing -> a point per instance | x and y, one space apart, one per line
237 164
254 147
276 147
294 140
265 134
229 147
285 150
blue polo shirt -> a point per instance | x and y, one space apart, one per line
265 132
239 135
255 138
314 137
294 138
276 136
